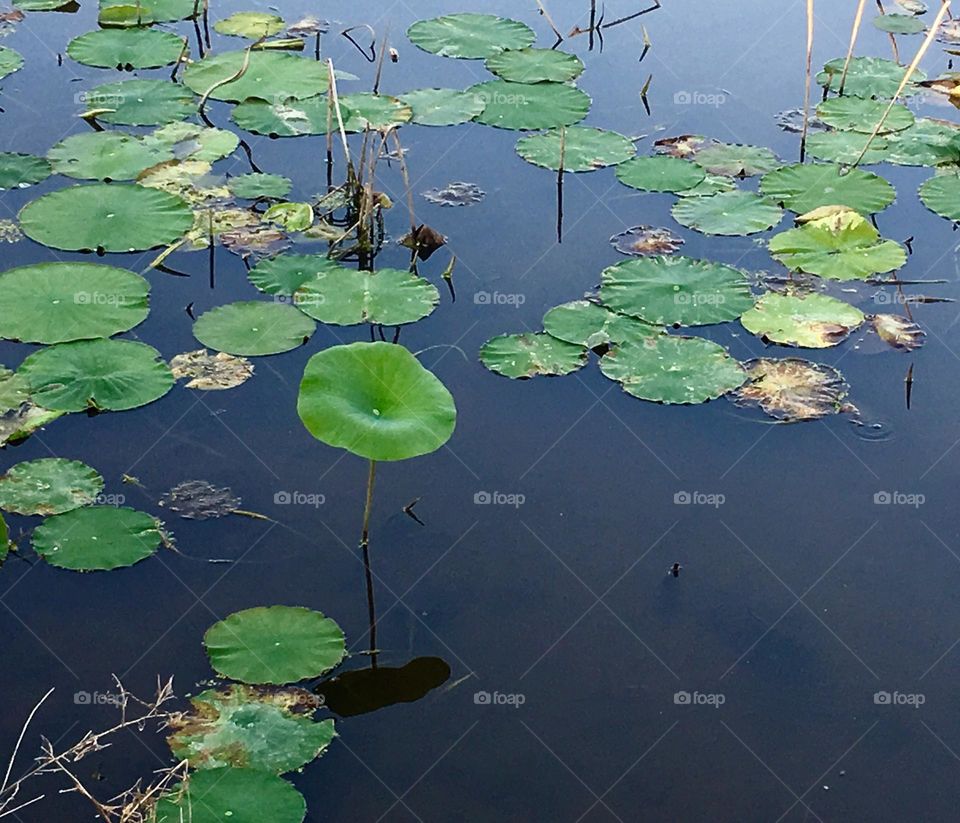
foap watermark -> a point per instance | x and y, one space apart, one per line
913 700
895 298
294 498
110 499
699 98
698 299
96 298
98 100
713 499
97 699
714 699
499 699
499 499
899 499
499 298
499 98
299 299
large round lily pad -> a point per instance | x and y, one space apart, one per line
730 213
105 155
141 102
134 48
863 114
805 187
669 369
868 77
941 194
373 111
535 66
289 117
578 147
58 302
519 356
198 143
375 400
50 485
110 218
270 75
792 389
442 107
253 328
286 273
928 142
97 538
736 160
661 173
112 375
389 297
250 727
10 61
813 321
585 323
274 644
230 795
847 146
676 290
18 171
530 107
473 36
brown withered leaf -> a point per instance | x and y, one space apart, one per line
645 241
792 389
898 332
424 240
211 372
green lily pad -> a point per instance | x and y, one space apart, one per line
112 375
250 24
442 107
791 389
374 111
17 171
472 36
812 321
530 107
105 155
520 356
229 795
845 147
736 160
41 5
388 297
10 61
583 149
710 185
376 401
249 727
14 391
274 644
676 290
535 66
928 142
869 77
270 75
135 48
289 118
862 115
253 328
255 185
731 213
661 173
97 538
136 13
286 273
675 370
141 102
189 141
805 187
899 23
941 194
113 218
59 302
290 216
584 323
50 485
4 540
841 246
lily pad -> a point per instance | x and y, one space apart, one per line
50 485
189 141
791 389
527 355
126 13
805 187
898 332
846 146
585 323
14 391
292 217
59 302
255 185
10 61
388 297
660 174
17 171
736 160
812 321
286 273
928 142
530 107
253 328
645 241
270 75
110 218
676 290
105 155
111 375
248 727
862 115
710 185
869 77
128 49
731 213
97 538
274 644
442 107
4 540
472 36
899 24
535 66
200 500
684 146
941 194
583 149
211 372
289 117
676 370
375 400
374 111
234 795
250 24
141 102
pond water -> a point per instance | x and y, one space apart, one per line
567 641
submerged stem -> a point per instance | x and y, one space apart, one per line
368 572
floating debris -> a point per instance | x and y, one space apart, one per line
455 194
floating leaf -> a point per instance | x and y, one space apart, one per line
10 232
473 36
250 24
812 321
187 140
791 120
928 142
286 273
234 795
442 107
97 538
105 155
270 75
899 23
291 216
846 146
684 146
249 727
111 375
805 187
50 485
253 328
191 181
583 149
17 171
535 66
949 32
676 290
14 391
374 111
128 49
114 218
527 355
585 323
138 13
41 5
375 400
200 500
140 102
4 540
290 118
731 213
644 241
10 61
792 390
530 107
211 372
736 160
663 174
941 194
912 6
455 194
667 369
899 332
255 185
862 115
869 77
274 644
710 185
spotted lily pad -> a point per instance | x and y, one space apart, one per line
250 24
211 372
582 149
676 290
898 332
255 185
50 485
17 171
660 173
97 538
200 500
527 355
105 155
535 66
128 49
253 328
792 390
10 61
862 115
530 107
388 297
471 36
941 194
736 160
140 102
585 323
234 795
455 194
868 77
442 107
731 213
645 241
805 187
812 321
270 75
668 369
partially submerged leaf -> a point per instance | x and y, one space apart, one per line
899 24
528 355
200 500
899 332
255 185
792 390
455 194
644 241
18 171
50 485
211 372
813 321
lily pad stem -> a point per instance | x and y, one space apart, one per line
365 547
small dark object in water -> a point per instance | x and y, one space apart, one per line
675 569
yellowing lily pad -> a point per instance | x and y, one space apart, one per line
813 321
792 390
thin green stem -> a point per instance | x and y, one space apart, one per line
368 572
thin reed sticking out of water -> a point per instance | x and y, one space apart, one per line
806 90
853 42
